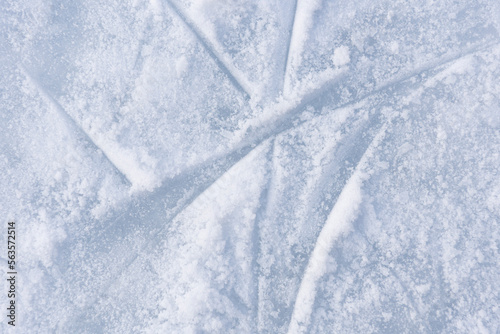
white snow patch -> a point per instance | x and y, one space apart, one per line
157 9
341 56
394 47
42 240
181 66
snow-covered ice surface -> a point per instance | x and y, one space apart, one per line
200 166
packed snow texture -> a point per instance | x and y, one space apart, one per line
200 166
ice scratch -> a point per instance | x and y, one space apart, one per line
70 121
338 223
236 78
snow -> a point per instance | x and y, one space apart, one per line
341 56
187 166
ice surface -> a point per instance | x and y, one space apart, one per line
192 166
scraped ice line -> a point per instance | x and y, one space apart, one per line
337 224
426 67
227 163
259 216
344 153
443 60
291 109
238 157
149 247
70 121
326 180
285 83
236 78
218 165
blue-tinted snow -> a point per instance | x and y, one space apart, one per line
252 167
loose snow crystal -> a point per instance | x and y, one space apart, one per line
341 56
